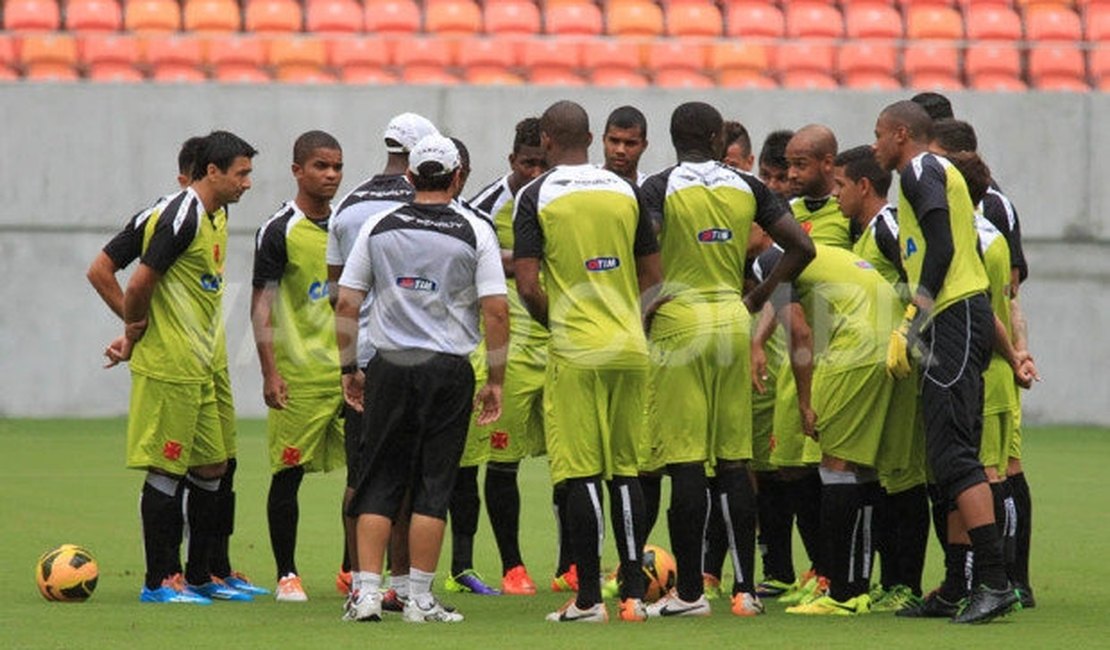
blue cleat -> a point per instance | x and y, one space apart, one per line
240 582
216 591
173 590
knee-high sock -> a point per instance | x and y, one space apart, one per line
885 540
503 507
805 500
1005 517
841 523
910 509
221 560
626 513
1023 505
687 519
738 508
716 540
201 501
776 523
562 529
283 513
464 509
585 515
863 546
160 513
942 505
651 485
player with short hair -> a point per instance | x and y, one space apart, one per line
295 339
625 141
950 317
585 227
738 146
935 104
773 169
175 342
810 155
435 268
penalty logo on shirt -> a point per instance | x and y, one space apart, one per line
416 283
602 264
714 235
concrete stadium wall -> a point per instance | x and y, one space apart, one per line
79 159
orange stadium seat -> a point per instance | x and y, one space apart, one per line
808 80
993 22
906 4
7 51
1046 22
1098 23
491 77
932 58
929 21
869 81
552 61
682 79
744 80
177 74
152 16
872 20
675 54
867 57
618 78
610 54
31 15
392 16
512 17
212 16
694 19
634 18
298 74
99 49
993 59
738 58
805 56
113 73
273 16
362 75
934 81
93 16
755 20
49 57
813 20
991 82
173 52
572 19
1057 66
424 76
425 60
333 17
358 52
1100 67
296 51
245 51
241 74
485 56
8 74
452 17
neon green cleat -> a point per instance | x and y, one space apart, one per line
610 588
800 589
711 585
897 598
826 606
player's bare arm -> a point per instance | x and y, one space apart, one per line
527 272
798 250
765 326
274 390
800 341
102 276
136 305
334 272
346 337
495 316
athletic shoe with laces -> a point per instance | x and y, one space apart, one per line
986 604
240 582
517 582
391 602
290 589
435 612
802 587
349 606
469 582
610 586
772 588
567 581
932 606
173 590
632 610
366 607
817 588
711 586
1025 592
217 591
569 613
894 599
827 606
343 582
672 605
745 604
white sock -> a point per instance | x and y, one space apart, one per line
400 584
420 587
364 582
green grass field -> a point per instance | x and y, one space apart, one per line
63 481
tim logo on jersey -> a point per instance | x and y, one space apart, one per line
211 282
714 235
416 284
602 264
317 290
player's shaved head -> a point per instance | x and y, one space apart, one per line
815 140
309 142
697 127
913 117
567 125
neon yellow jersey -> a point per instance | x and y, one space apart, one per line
930 182
824 223
586 226
290 251
999 387
878 244
184 340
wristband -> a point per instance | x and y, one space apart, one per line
349 369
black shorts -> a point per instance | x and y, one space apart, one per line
352 442
957 348
414 425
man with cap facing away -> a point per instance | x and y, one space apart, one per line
380 192
432 267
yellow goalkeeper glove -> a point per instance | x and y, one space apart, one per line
902 339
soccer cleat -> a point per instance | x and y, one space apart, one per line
290 590
517 582
215 591
932 606
896 598
711 586
469 582
817 589
391 602
240 582
173 590
366 608
570 613
801 588
567 581
827 606
349 607
610 587
1025 592
632 610
343 582
745 604
986 604
672 605
433 613
772 588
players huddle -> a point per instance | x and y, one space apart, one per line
784 346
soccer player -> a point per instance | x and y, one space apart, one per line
935 104
585 228
293 332
520 432
700 391
434 268
738 147
380 192
772 162
625 141
809 156
174 340
950 317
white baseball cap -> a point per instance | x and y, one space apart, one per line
407 129
434 148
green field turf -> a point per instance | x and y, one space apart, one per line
63 481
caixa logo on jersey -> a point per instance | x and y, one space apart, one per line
714 235
210 282
317 290
416 284
602 263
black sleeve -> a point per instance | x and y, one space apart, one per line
887 242
784 293
127 245
173 233
769 207
527 234
1002 215
926 192
653 194
645 243
270 253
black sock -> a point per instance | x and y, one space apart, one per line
651 485
202 513
716 541
160 513
805 501
840 513
886 541
1023 505
737 497
503 507
957 564
871 493
283 513
941 507
562 528
1004 518
626 515
990 569
686 518
776 524
584 512
910 509
464 509
221 560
